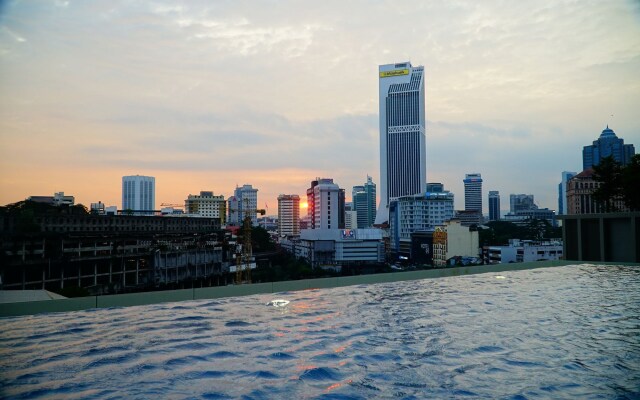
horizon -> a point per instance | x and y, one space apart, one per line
206 97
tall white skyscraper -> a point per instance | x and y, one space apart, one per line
139 194
402 134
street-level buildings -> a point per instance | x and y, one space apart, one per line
525 251
138 194
288 215
409 214
334 248
453 240
402 134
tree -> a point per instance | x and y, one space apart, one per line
630 182
609 174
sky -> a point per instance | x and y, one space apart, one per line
208 95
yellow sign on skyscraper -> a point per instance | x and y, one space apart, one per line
395 72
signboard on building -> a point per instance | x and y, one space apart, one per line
348 234
395 72
440 236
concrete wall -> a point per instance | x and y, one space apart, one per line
137 299
612 237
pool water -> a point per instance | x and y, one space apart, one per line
560 332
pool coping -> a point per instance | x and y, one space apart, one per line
146 298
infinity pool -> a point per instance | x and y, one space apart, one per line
560 332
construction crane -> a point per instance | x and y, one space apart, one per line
244 252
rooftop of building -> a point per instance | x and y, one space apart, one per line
608 133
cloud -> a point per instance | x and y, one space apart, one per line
222 89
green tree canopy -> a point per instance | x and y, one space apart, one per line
609 174
630 180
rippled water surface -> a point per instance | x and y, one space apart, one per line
562 332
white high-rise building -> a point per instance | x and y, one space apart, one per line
324 208
139 194
288 215
402 134
243 202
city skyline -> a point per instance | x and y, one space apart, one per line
208 97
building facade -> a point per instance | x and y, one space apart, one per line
208 205
454 240
580 199
410 214
325 202
58 199
139 194
525 251
562 191
334 248
473 192
402 134
608 144
243 202
288 215
494 205
521 202
364 203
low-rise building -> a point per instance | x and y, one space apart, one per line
58 199
454 240
337 247
525 251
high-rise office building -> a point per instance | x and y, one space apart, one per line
288 215
243 202
473 192
402 134
206 204
494 205
608 144
324 205
139 194
364 203
521 202
562 191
